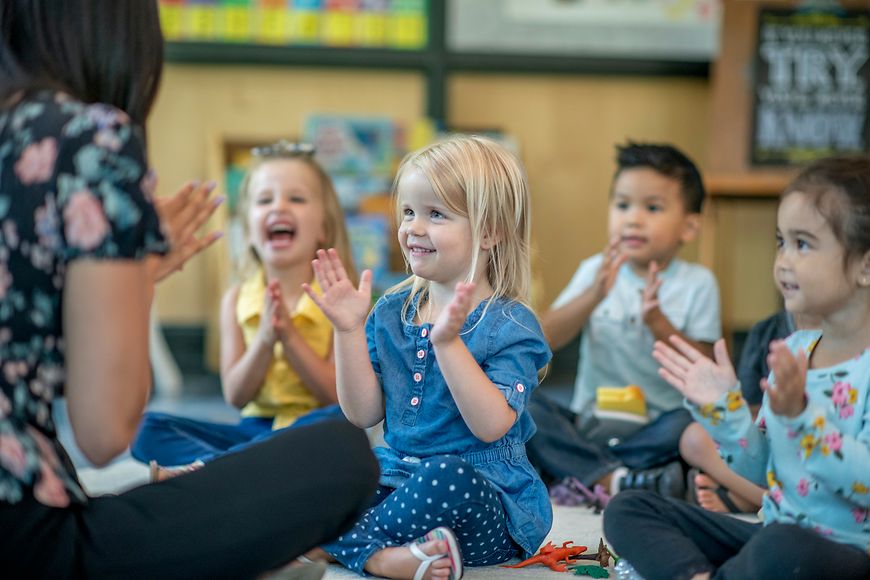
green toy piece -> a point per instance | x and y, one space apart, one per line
589 570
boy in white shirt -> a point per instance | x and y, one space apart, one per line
624 299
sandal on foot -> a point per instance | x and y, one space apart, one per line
691 487
725 497
453 553
158 473
722 492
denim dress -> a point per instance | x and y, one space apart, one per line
421 416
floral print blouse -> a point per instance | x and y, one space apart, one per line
816 466
73 183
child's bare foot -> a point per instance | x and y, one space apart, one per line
158 473
401 563
715 498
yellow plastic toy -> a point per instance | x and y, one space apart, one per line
628 399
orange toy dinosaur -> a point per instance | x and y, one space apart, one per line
556 558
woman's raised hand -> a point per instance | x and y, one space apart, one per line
700 379
181 216
345 306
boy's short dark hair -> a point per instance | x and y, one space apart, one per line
670 162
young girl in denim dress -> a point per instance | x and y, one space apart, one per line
810 445
448 359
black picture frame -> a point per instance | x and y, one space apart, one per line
811 86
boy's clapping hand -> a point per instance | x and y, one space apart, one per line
650 295
612 260
787 396
700 379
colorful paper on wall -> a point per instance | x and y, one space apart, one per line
394 24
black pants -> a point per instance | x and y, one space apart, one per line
671 539
559 449
237 517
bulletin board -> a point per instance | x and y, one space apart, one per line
681 30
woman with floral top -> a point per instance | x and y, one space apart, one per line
810 445
82 244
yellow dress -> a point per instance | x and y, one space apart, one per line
282 395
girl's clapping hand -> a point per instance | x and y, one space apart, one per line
453 316
280 320
787 396
345 306
700 379
267 330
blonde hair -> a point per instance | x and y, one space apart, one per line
334 230
477 178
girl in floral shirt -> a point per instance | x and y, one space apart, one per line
810 445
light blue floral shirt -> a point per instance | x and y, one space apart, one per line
421 416
816 466
73 184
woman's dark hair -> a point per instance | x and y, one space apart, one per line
106 51
670 162
839 187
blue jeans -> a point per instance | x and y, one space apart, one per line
560 449
172 440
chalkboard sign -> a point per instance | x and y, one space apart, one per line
811 85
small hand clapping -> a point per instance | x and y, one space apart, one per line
453 316
612 260
787 396
345 306
269 329
650 294
700 379
280 321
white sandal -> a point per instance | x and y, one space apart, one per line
453 554
158 473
